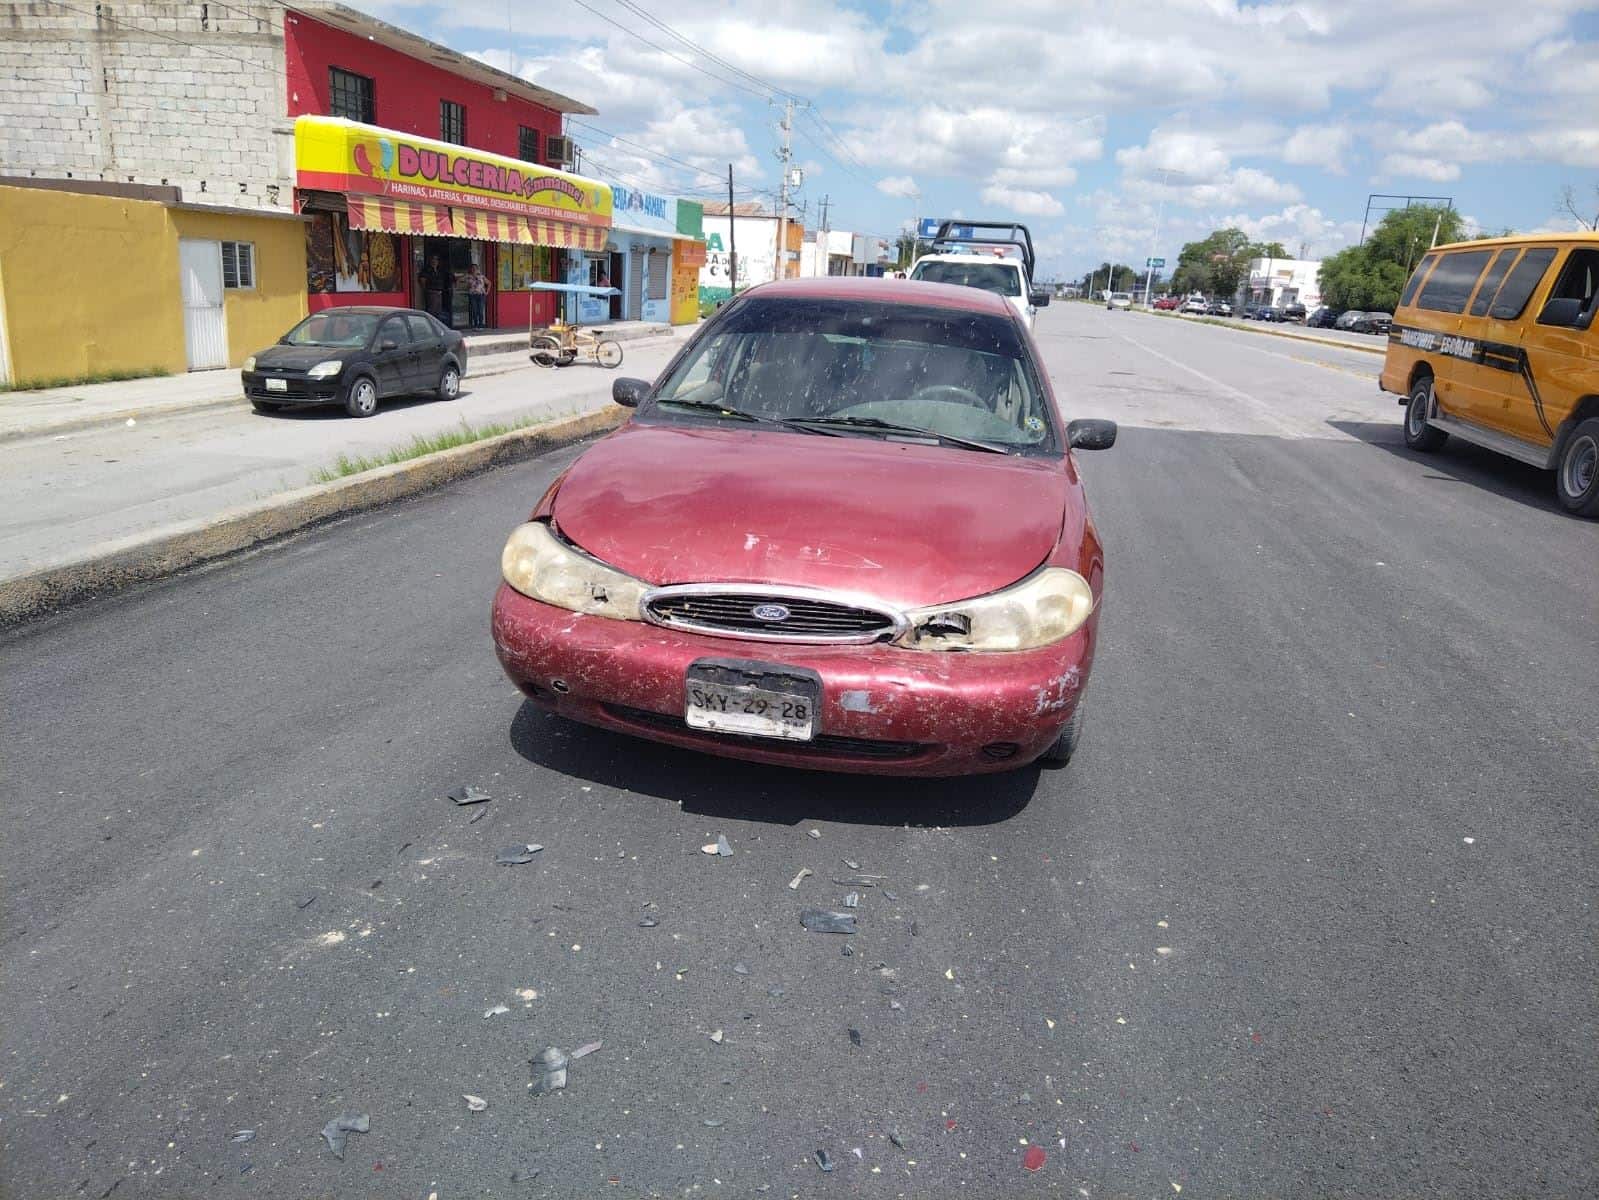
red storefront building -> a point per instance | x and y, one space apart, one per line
417 163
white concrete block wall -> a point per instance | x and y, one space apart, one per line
178 93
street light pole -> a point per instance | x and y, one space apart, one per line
1160 214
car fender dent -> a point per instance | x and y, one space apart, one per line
1060 693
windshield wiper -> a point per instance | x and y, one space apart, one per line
738 414
893 427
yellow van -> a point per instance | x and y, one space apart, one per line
1493 342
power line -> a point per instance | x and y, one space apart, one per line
701 50
663 50
616 137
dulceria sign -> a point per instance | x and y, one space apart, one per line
342 156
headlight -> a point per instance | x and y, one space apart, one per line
538 564
326 370
1043 608
249 363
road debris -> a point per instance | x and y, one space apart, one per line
336 1130
1033 1160
853 900
824 1160
950 974
585 1050
894 1136
846 951
474 1103
496 1011
648 923
815 833
716 1036
1163 951
469 795
819 920
853 866
793 884
549 1070
244 1135
719 847
888 895
307 902
740 969
712 1123
855 1037
513 856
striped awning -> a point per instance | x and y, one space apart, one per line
399 216
526 231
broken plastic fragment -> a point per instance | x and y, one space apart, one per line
793 884
585 1050
950 973
819 920
1033 1160
713 1123
716 1036
513 856
648 923
853 900
856 1151
855 1037
853 866
549 1070
846 951
740 969
307 902
823 1160
495 1011
1163 951
894 1136
888 895
722 848
469 795
244 1135
474 1103
335 1131
815 833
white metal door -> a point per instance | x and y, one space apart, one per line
205 330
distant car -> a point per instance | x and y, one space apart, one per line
356 357
1293 312
1251 311
1374 322
1322 318
1218 308
1195 305
1347 320
1119 300
1268 312
1166 303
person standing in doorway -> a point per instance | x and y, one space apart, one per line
435 289
477 296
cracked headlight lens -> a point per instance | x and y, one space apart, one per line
538 564
1046 607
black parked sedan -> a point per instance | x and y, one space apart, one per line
356 357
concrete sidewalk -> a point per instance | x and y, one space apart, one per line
52 411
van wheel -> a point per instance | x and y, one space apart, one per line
1577 473
1418 434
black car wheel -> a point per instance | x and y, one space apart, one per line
1066 744
1577 473
1418 434
363 398
450 383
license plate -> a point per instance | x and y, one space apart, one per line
752 701
277 385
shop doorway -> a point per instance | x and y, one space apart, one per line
444 293
616 282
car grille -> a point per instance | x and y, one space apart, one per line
822 746
294 388
733 613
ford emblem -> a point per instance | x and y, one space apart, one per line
770 612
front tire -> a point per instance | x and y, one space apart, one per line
1060 753
608 355
1577 472
362 400
450 383
1418 434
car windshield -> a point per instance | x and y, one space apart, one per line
863 367
334 329
991 277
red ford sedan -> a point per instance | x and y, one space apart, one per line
844 530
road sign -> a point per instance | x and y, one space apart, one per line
1154 262
928 228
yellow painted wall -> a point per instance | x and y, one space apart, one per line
90 283
685 293
256 318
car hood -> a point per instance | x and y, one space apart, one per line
908 524
301 358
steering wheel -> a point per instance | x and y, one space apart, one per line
949 393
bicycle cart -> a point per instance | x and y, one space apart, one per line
563 343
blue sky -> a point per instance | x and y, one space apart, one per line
1110 128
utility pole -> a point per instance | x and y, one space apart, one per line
826 201
732 235
782 190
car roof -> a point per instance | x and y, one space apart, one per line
1521 239
380 310
885 291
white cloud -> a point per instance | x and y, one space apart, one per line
898 185
1023 200
1417 166
1324 146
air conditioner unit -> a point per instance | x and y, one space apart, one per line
558 151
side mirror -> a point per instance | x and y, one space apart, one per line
1039 299
1089 434
628 392
388 344
1565 313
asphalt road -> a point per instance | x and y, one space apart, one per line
1312 913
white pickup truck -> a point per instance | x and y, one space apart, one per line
964 254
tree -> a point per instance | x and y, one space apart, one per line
1370 276
1116 278
1568 201
1218 264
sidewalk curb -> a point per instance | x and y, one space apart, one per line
1277 333
140 558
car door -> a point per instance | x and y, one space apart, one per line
1440 312
427 353
392 355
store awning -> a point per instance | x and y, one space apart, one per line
526 231
399 216
689 253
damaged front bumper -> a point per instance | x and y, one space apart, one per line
883 709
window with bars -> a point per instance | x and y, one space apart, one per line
527 144
452 122
350 96
238 265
